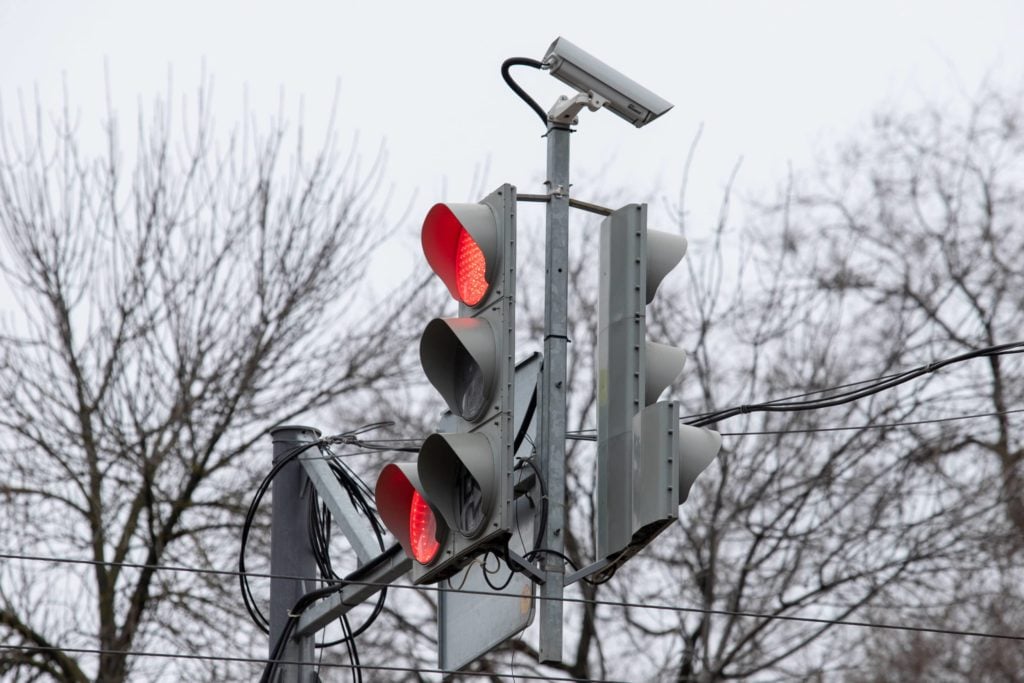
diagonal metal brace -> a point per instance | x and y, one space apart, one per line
589 570
523 565
365 581
356 527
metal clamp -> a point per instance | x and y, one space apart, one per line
566 108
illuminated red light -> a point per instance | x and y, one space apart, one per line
422 530
470 270
455 254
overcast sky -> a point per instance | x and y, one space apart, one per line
769 81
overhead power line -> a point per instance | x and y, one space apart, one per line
584 601
843 397
886 425
586 435
257 660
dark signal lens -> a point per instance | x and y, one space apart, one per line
470 270
469 385
422 530
469 501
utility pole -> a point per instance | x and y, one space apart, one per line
291 553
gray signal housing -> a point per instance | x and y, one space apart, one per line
646 459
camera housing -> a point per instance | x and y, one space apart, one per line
586 73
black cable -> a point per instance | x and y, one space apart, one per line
347 479
294 613
487 574
539 536
605 578
517 89
884 425
353 653
247 597
582 436
543 523
890 381
319 527
548 551
531 407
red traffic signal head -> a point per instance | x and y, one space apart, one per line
460 242
406 513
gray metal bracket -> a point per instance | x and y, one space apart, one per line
573 203
356 527
589 570
365 581
527 568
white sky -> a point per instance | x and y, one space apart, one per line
770 81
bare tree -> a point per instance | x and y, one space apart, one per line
166 312
900 252
924 217
903 253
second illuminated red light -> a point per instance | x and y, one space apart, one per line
422 530
470 270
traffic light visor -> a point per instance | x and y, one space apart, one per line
459 357
457 471
697 448
460 243
406 513
664 252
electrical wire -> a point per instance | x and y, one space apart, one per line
247 597
541 527
543 523
319 539
524 427
303 603
517 89
584 601
320 535
319 525
487 573
257 660
890 381
888 425
320 531
584 435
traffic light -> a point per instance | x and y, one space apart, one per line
456 501
647 460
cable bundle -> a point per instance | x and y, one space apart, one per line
855 390
319 537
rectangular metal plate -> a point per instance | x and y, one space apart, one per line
473 618
471 625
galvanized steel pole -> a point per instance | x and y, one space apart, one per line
553 389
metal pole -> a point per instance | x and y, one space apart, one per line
553 389
290 551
